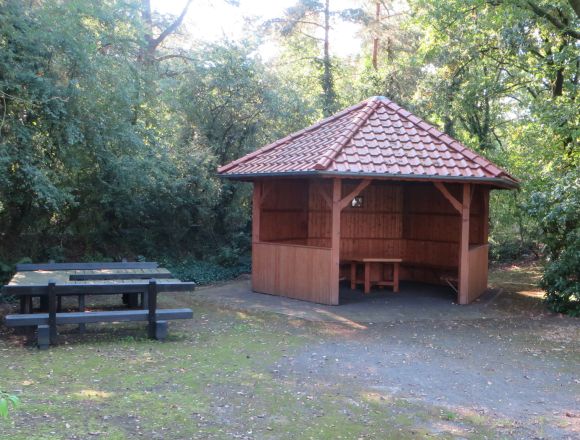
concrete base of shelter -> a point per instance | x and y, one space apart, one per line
415 301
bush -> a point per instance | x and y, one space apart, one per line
206 272
556 209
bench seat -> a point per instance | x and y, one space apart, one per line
157 327
93 317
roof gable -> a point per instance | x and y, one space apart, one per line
375 137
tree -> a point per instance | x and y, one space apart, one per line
311 21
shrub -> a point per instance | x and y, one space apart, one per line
558 213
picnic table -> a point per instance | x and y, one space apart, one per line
51 281
367 280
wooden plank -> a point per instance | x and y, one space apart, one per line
463 296
95 317
99 289
454 202
298 272
485 215
86 266
478 268
152 307
52 312
335 242
256 211
121 276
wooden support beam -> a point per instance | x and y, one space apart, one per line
463 296
256 211
348 199
443 189
485 215
335 241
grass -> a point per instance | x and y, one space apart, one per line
222 375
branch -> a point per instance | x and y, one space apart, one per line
155 42
576 6
540 12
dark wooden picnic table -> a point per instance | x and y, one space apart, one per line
51 281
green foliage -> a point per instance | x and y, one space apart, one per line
558 213
7 401
208 271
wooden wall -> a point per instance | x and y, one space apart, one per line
407 220
293 271
478 264
284 215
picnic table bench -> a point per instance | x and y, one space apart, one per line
50 282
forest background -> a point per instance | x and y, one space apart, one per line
114 118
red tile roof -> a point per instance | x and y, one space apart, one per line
373 138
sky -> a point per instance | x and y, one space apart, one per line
213 20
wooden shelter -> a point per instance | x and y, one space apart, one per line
372 181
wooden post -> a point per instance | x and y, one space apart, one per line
485 215
256 211
463 296
335 241
52 312
152 305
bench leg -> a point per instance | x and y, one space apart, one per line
145 301
396 277
82 327
43 337
160 330
352 275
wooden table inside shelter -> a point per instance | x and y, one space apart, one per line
367 263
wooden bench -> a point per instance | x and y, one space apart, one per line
46 322
157 325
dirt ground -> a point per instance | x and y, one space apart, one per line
504 368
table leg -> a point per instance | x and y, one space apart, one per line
353 275
82 304
152 306
367 277
59 303
23 305
395 277
52 312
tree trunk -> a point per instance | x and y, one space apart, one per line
327 80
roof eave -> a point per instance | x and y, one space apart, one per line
500 183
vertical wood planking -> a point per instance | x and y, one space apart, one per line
256 210
335 241
478 266
464 247
293 271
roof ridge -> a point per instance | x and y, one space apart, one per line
361 117
446 139
291 136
